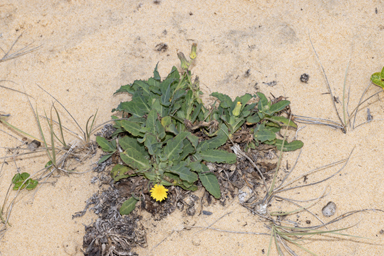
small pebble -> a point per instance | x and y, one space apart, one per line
304 78
329 209
196 241
207 213
34 145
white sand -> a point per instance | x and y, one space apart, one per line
89 50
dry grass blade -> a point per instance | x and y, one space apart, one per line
25 50
328 85
64 109
9 88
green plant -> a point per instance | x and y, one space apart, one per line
378 78
157 134
22 180
155 140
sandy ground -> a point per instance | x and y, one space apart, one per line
88 50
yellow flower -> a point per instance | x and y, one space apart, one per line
193 51
159 192
236 110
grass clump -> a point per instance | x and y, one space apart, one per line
347 119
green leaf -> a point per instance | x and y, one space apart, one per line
161 110
174 74
121 172
174 146
263 101
156 74
152 144
178 94
105 158
127 142
187 150
193 139
136 119
132 127
134 159
219 140
166 96
49 163
274 129
126 88
184 172
143 86
210 183
151 175
218 156
128 206
31 184
197 167
24 176
151 121
243 101
253 119
262 134
378 78
105 145
225 100
282 121
245 98
134 107
168 125
16 178
196 112
19 185
292 146
277 107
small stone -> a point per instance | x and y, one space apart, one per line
207 213
304 78
196 241
34 145
329 209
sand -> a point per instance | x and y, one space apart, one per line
88 50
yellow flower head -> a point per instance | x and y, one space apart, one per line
159 192
193 52
236 110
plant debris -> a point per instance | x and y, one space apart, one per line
112 234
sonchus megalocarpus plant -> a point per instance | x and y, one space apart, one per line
155 141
